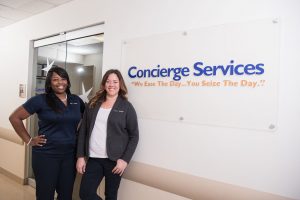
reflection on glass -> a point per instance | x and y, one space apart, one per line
54 55
82 58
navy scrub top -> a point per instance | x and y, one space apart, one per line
59 128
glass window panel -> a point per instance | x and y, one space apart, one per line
82 59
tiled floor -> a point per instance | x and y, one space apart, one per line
11 190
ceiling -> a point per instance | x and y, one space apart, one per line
12 11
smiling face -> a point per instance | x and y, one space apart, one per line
58 84
112 85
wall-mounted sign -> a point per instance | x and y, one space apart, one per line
224 75
22 90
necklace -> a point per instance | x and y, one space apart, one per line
65 99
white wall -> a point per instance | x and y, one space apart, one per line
263 161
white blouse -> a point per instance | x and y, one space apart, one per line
97 146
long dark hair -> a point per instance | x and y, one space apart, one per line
51 99
100 96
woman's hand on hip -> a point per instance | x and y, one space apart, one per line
120 167
39 140
80 165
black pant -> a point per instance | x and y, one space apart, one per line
53 173
96 169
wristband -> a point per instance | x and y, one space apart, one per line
29 141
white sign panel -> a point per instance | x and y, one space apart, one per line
223 75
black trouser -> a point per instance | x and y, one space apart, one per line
96 169
53 173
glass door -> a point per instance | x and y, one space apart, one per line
82 59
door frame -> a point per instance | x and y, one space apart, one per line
34 44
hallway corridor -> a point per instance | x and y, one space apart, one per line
11 190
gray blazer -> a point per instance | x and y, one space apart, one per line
122 131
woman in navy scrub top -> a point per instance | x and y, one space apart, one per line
53 149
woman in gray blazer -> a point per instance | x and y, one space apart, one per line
107 138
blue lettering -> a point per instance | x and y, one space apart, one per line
129 72
198 68
163 72
236 69
259 69
249 69
185 71
208 70
176 76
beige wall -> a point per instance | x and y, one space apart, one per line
12 154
